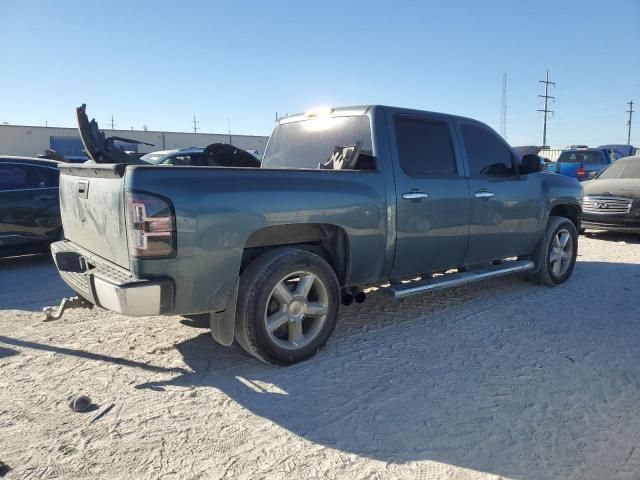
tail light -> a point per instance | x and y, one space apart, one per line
151 226
581 172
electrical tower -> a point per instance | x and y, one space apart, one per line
113 122
546 111
195 124
630 112
503 109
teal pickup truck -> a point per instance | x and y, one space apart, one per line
346 198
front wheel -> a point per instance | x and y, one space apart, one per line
559 251
288 305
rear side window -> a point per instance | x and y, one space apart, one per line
41 177
425 147
486 153
13 177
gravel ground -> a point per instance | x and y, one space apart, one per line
496 380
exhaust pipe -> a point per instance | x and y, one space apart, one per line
347 297
358 294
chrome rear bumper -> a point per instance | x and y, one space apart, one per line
109 286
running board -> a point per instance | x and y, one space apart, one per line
459 278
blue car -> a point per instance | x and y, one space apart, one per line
579 162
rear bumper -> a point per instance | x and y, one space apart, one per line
110 286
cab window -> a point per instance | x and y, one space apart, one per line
486 153
425 147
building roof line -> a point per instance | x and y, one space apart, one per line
136 131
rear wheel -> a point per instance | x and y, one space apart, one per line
558 252
288 305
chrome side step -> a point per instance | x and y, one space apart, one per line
459 278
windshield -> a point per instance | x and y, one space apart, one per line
308 143
581 156
154 157
622 169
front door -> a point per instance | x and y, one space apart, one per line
432 224
505 207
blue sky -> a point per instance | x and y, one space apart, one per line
158 63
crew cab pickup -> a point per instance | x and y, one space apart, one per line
345 199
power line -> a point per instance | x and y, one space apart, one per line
195 124
630 112
503 109
546 111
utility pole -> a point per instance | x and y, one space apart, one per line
630 112
230 142
546 111
503 110
195 124
113 123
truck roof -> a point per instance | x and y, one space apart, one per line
361 110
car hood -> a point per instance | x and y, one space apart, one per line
615 187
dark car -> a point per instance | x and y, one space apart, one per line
29 205
214 155
612 199
184 156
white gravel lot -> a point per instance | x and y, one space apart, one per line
496 380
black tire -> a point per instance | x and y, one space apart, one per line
257 297
547 275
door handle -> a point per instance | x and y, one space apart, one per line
45 197
484 194
414 195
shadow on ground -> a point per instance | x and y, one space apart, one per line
528 391
630 238
74 352
30 282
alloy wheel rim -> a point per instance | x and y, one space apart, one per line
296 310
561 253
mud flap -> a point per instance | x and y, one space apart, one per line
223 324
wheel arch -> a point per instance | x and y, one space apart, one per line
567 210
329 241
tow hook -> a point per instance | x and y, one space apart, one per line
73 302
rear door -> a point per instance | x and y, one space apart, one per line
432 224
505 207
29 210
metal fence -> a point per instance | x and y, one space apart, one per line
551 154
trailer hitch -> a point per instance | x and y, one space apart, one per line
73 302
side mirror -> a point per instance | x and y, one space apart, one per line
530 164
592 175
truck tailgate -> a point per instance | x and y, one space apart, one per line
91 205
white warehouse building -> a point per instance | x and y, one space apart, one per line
31 141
